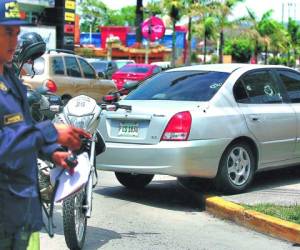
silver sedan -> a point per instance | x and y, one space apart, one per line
222 121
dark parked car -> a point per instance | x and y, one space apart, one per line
104 66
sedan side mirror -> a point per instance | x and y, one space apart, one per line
130 85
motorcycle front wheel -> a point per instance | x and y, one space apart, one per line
74 220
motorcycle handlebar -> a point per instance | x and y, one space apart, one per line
72 159
114 106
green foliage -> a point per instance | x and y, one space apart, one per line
214 59
282 61
239 48
96 13
93 13
86 52
194 57
289 213
154 7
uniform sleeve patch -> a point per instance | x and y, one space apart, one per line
3 87
13 118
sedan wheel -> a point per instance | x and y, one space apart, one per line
134 181
236 169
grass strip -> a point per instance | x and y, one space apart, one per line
289 213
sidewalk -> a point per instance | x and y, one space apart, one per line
280 187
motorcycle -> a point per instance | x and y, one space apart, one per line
75 190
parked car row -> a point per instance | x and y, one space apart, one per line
223 122
69 75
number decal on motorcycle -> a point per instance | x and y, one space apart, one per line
80 104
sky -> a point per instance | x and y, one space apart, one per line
287 7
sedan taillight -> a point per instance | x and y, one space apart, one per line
51 86
178 128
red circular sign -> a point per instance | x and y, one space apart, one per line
153 28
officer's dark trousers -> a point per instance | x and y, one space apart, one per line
16 241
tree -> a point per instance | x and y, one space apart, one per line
293 29
94 13
263 30
173 8
194 10
222 10
123 17
239 48
207 28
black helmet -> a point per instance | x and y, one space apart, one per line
30 46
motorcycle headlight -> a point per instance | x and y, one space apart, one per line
80 121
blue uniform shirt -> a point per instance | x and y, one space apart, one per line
21 140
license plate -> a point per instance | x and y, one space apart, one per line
130 129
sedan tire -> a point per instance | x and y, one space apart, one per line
134 181
236 168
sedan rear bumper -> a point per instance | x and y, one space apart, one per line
199 158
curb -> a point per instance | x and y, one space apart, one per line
257 221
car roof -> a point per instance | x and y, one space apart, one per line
226 67
123 60
139 65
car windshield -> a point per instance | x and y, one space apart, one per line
134 69
180 86
99 65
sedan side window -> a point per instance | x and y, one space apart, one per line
240 93
72 66
291 81
261 88
88 71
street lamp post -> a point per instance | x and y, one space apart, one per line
148 41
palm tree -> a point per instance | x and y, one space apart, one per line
222 10
209 32
279 39
194 10
173 8
262 30
294 33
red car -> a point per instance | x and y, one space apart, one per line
134 72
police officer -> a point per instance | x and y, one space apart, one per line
21 141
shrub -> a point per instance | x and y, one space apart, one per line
239 48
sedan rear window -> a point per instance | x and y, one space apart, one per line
134 69
180 86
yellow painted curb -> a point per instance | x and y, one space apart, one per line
257 221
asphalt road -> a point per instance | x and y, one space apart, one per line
163 216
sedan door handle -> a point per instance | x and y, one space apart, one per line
254 118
